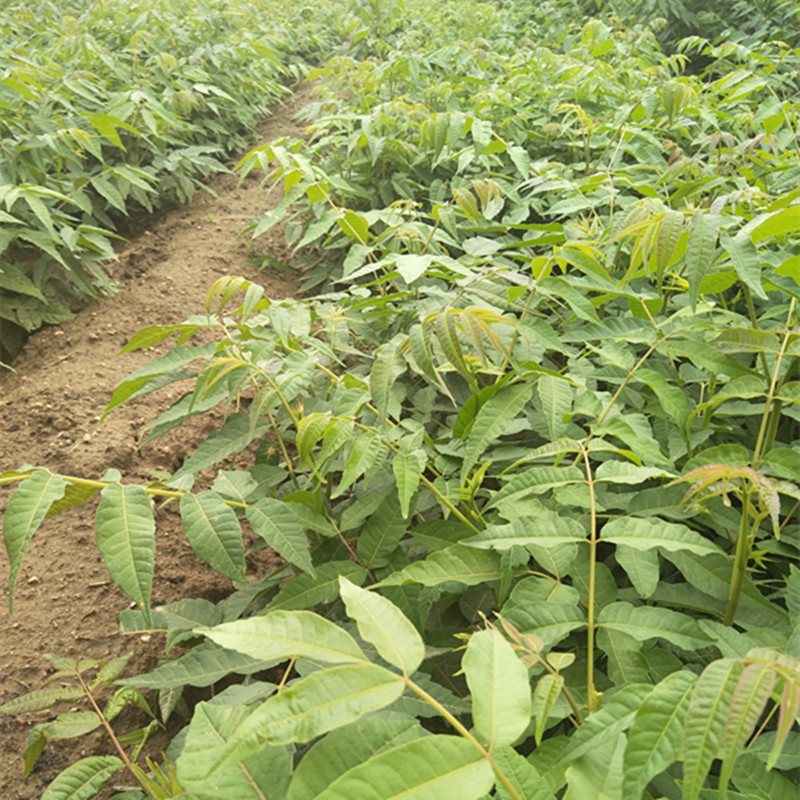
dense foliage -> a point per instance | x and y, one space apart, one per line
104 109
529 453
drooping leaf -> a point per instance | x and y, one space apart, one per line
126 538
26 509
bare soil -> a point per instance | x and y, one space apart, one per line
50 410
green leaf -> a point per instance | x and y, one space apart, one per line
705 722
646 534
430 768
83 779
282 529
752 779
307 591
126 538
649 622
654 738
346 748
641 567
71 725
776 223
494 417
202 666
233 437
113 669
106 125
382 532
753 690
456 564
407 469
211 728
386 368
748 340
745 260
536 480
367 454
522 775
288 634
322 701
705 356
624 472
700 249
498 683
547 528
40 699
548 690
412 266
214 533
598 773
551 621
383 625
550 537
555 395
615 716
26 509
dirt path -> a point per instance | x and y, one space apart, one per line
49 415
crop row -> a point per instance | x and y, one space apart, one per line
106 109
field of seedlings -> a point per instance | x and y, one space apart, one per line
499 492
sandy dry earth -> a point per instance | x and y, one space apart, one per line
49 415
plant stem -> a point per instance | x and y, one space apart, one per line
109 730
772 407
741 558
462 730
594 698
